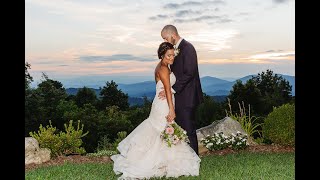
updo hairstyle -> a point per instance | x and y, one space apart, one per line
163 47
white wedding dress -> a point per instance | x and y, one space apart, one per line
143 154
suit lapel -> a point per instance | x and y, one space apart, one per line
178 57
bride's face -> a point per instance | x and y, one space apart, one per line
169 57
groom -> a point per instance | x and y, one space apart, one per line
188 92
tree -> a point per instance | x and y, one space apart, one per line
116 121
27 77
85 96
247 93
49 93
137 114
208 111
262 92
274 88
31 106
111 96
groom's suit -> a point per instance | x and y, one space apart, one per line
188 89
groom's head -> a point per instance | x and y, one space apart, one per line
170 34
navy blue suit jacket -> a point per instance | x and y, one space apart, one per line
185 68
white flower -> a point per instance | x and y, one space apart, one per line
224 136
176 51
238 132
209 145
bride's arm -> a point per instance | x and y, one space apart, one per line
164 74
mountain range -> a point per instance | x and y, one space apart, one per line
210 85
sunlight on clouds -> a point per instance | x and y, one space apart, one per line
274 56
213 40
117 33
264 58
73 37
102 68
231 61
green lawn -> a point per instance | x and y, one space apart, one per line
244 165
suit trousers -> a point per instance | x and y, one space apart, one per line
185 117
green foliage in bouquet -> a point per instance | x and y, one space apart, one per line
174 134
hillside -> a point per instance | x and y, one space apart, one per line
212 86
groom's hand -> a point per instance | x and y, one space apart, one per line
162 94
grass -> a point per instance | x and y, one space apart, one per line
237 166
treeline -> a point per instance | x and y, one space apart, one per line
104 116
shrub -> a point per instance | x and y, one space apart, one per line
121 135
247 122
62 143
47 138
102 153
279 125
71 139
219 141
104 144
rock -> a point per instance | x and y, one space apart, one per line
35 154
226 125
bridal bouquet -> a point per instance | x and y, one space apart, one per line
173 134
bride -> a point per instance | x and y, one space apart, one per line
143 154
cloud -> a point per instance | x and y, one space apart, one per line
213 40
192 4
280 1
273 51
260 58
77 10
191 11
219 19
184 13
115 57
159 17
273 56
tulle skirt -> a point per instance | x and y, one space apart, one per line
143 154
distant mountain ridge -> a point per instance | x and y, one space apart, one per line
210 85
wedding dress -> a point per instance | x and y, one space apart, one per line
143 154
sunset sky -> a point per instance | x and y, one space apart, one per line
69 39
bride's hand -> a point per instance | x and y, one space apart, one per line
171 116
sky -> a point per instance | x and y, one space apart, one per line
78 40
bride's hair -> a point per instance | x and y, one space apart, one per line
163 47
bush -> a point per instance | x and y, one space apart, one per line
64 143
104 144
71 139
219 141
247 121
102 153
47 138
279 125
121 135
